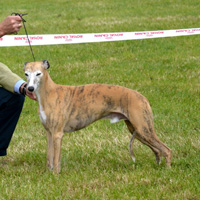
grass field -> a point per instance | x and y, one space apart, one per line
95 161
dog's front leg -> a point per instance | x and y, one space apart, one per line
50 150
57 141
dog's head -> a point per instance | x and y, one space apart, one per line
34 72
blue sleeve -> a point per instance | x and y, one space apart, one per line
18 85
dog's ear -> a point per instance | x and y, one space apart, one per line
46 64
24 65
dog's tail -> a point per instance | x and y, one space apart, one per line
131 146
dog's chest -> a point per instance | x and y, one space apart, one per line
42 115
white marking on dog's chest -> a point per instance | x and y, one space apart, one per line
42 114
43 117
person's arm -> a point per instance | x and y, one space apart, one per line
12 82
9 25
7 78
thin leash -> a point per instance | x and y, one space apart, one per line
23 21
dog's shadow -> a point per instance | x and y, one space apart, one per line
78 160
90 161
72 161
30 159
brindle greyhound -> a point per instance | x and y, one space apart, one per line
71 108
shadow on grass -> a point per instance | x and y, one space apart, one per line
30 159
79 161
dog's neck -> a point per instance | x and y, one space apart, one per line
46 85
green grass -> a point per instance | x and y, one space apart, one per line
95 161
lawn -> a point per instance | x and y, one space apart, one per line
95 161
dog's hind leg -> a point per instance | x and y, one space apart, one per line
149 138
57 141
157 154
155 151
133 132
142 121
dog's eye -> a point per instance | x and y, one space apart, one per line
26 74
38 74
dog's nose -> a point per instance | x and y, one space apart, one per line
31 89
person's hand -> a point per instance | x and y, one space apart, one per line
9 25
31 95
24 90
